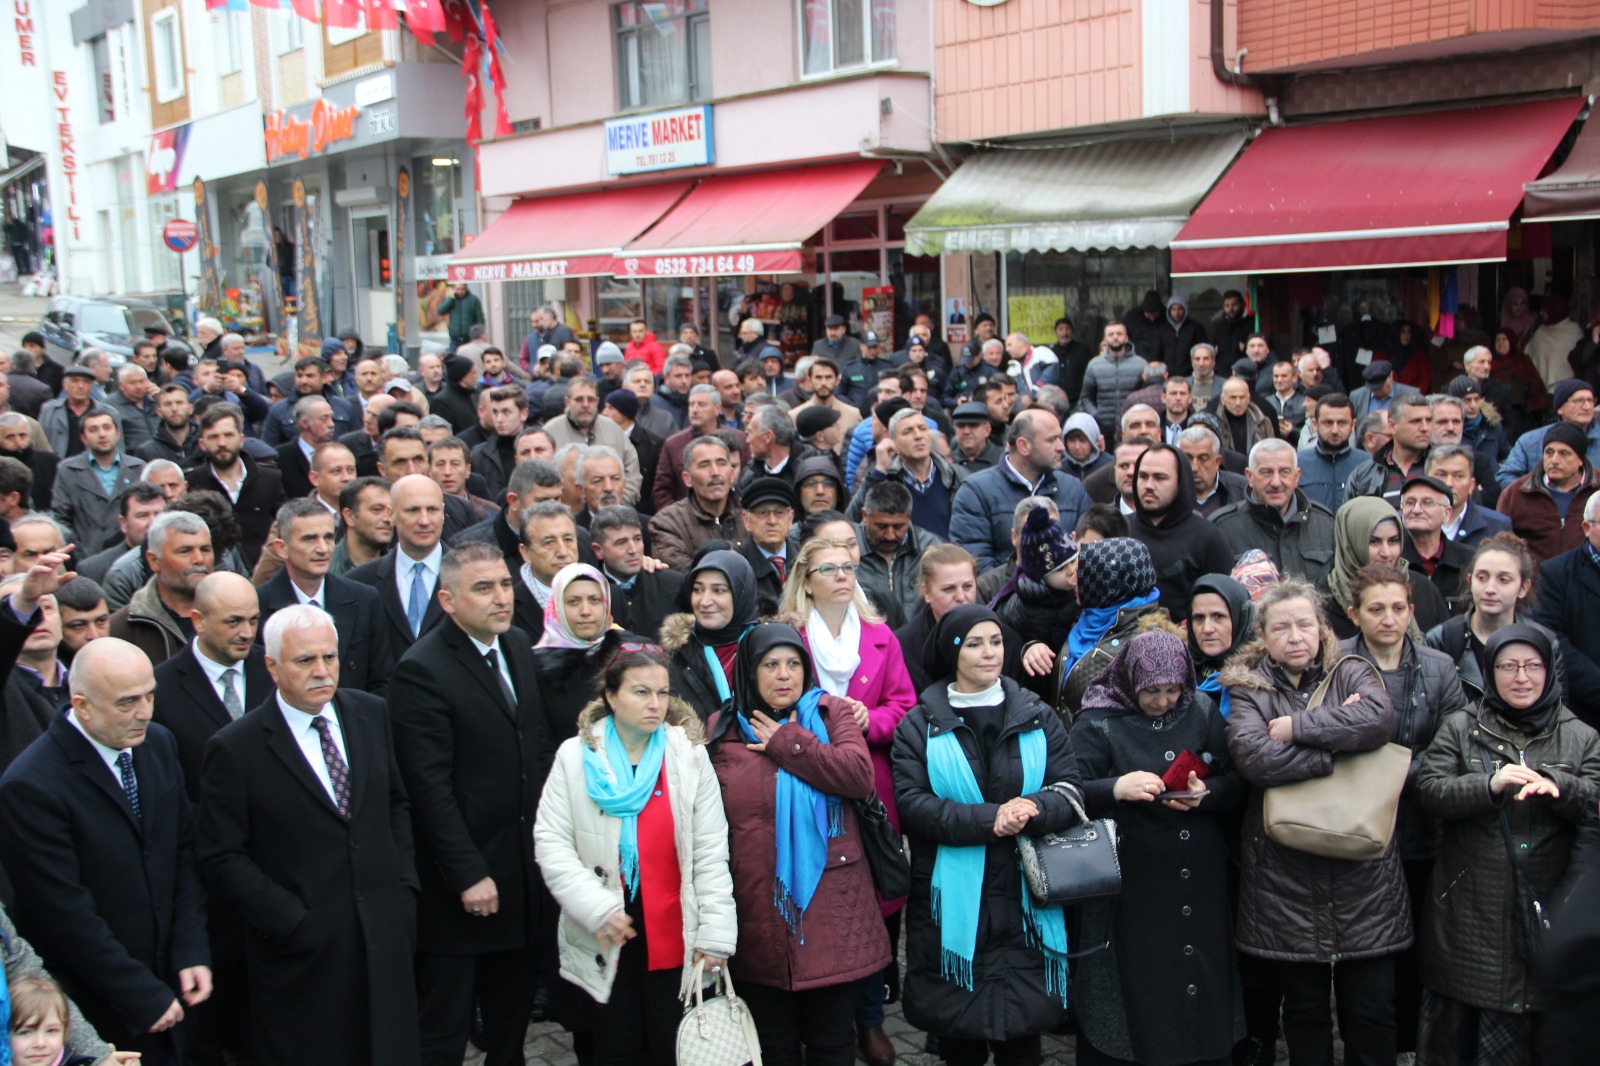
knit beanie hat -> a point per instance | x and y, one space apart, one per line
1566 390
1114 571
456 367
1463 386
624 401
1043 546
1570 435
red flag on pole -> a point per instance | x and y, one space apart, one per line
306 9
497 78
342 14
426 18
381 15
471 55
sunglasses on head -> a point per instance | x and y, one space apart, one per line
633 646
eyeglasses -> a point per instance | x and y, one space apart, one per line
1533 668
634 646
830 570
1427 504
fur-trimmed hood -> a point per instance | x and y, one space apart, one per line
1244 670
679 714
676 629
1491 413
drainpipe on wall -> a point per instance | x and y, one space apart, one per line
1270 87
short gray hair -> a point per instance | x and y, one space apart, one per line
707 390
434 422
677 360
13 418
302 406
1452 451
158 466
1441 399
1591 510
1273 444
39 518
542 509
1123 421
1474 353
297 508
901 415
130 370
397 367
1210 348
1201 435
993 342
458 559
168 522
1028 504
595 451
773 418
207 322
295 616
701 442
228 338
682 351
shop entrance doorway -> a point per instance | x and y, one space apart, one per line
372 269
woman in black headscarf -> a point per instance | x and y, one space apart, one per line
1221 618
1167 991
1515 773
701 645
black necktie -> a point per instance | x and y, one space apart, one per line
493 658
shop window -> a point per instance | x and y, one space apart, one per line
166 45
1091 288
663 52
104 89
288 32
436 204
228 48
841 34
856 227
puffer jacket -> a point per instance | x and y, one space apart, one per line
575 843
687 668
1299 544
1454 639
1107 381
1009 997
1469 947
1436 693
841 936
1131 621
1295 906
982 509
682 528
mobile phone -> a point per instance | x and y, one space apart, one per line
1183 794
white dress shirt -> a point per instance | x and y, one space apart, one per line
214 671
404 564
108 755
305 734
500 657
318 595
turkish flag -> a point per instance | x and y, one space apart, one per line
306 9
381 15
426 18
343 14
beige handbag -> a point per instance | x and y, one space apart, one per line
1349 814
718 1031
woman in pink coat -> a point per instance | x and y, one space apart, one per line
857 658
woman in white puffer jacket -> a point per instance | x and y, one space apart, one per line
633 843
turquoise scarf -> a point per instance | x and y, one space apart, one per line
621 790
805 820
1213 685
958 870
1096 622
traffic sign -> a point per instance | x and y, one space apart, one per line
180 234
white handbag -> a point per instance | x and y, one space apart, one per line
718 1031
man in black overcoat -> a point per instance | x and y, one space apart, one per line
98 839
474 751
304 827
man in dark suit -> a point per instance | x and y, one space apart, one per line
770 507
313 416
198 691
98 838
305 539
474 750
640 599
305 829
406 578
256 491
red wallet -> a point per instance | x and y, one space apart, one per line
1177 776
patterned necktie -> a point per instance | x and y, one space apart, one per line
493 658
130 784
230 694
418 604
777 564
338 772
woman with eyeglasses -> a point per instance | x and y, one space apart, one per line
720 593
1424 689
1516 773
633 796
980 761
857 659
791 760
579 639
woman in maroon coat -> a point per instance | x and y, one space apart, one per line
809 927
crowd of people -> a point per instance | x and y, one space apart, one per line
356 713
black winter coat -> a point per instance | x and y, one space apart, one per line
1301 544
1168 992
1295 906
687 668
1008 998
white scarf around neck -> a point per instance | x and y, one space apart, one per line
989 697
835 658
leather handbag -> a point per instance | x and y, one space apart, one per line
886 855
1349 814
1072 865
717 1031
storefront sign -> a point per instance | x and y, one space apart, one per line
402 223
301 137
660 141
704 266
180 235
22 12
1034 316
432 267
210 299
66 143
583 266
163 158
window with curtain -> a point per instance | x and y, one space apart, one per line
663 52
840 34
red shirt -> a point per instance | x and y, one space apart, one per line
660 881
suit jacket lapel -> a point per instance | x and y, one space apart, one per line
389 593
359 752
81 753
286 748
476 665
198 686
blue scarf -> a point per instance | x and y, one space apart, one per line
805 820
1096 622
621 790
958 870
1213 685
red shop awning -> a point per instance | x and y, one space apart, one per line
571 236
746 223
1402 191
